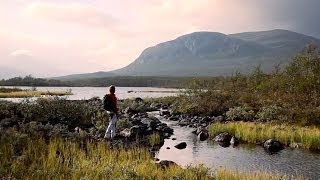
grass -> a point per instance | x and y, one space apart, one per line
30 93
63 159
251 132
237 175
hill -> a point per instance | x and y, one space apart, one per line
213 54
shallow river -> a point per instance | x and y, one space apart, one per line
248 158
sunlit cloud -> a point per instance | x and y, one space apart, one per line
21 52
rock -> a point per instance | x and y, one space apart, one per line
234 141
125 133
272 145
155 105
164 112
194 132
164 107
138 100
219 119
203 136
157 159
183 122
165 163
135 131
168 130
128 110
182 145
149 122
223 139
174 118
168 147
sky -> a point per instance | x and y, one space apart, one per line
59 37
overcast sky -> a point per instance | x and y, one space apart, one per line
57 37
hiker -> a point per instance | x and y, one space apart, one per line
110 104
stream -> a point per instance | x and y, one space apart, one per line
244 157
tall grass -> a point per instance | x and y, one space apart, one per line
237 175
63 159
27 93
252 132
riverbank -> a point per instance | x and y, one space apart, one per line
61 158
258 133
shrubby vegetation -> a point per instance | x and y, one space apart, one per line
121 81
291 95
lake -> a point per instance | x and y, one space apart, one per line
80 93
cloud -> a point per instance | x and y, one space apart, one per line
82 14
20 52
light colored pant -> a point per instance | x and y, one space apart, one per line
111 130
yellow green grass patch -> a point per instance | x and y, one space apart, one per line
29 93
290 135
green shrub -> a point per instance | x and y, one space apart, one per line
269 113
240 113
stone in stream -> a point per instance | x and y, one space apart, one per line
273 145
203 136
174 118
164 112
182 145
225 139
173 139
168 147
234 141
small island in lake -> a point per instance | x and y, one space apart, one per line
23 93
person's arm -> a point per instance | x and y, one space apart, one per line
116 106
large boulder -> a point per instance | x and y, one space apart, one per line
182 145
273 145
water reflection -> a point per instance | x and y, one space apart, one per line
244 157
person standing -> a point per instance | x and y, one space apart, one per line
110 104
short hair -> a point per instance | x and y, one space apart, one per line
112 87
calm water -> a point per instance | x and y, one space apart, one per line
80 93
243 158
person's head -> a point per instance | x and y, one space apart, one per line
112 89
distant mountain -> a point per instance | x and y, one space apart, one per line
6 73
283 42
99 74
215 54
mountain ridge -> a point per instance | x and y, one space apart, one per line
207 53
